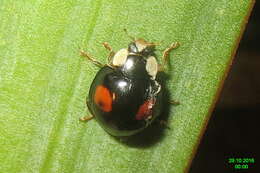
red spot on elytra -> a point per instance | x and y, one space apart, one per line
103 98
145 109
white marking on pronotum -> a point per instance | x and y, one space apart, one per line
152 66
120 57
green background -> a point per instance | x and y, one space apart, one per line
44 81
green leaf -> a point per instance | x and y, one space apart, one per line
44 81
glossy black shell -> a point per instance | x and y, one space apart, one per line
121 120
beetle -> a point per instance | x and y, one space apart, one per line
125 97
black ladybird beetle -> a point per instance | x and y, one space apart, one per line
125 96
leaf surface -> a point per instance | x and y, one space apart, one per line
44 82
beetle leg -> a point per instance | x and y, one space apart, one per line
165 56
86 118
90 58
111 52
174 102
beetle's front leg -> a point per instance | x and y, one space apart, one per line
111 52
165 56
90 58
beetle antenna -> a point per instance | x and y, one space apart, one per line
126 32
